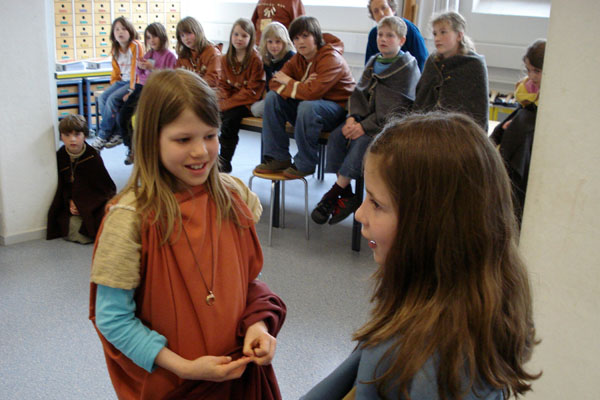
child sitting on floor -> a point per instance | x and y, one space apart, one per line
84 186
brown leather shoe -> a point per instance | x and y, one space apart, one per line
271 166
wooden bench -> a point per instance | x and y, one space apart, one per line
255 125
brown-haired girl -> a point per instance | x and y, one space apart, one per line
452 315
126 50
159 56
174 294
515 134
196 53
242 84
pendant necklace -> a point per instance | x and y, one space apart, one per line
210 298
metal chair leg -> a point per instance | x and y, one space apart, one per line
271 212
306 207
282 204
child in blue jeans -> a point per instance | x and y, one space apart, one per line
387 86
310 91
126 50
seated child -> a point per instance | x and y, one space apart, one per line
454 77
126 50
387 87
414 44
157 57
84 186
282 11
310 91
452 308
515 134
173 293
196 53
275 48
242 84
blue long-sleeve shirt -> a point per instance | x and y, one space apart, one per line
116 320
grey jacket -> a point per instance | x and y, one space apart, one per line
363 365
458 83
377 96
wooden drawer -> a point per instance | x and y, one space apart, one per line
85 53
102 7
121 7
68 101
173 7
84 31
66 54
103 51
64 31
157 17
83 7
64 43
102 30
173 18
139 8
72 89
140 18
103 42
156 8
63 8
63 112
63 19
102 19
85 43
83 20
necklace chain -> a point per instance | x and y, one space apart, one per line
210 298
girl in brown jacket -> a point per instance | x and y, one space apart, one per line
196 53
242 84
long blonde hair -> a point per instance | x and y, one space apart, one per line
453 285
459 25
275 30
166 94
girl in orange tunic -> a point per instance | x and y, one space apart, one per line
242 84
196 53
173 291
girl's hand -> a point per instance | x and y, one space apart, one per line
73 208
145 64
281 77
215 369
126 96
506 124
259 345
208 368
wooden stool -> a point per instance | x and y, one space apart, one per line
276 178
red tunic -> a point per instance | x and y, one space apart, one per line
171 297
267 11
245 88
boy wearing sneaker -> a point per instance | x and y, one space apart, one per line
310 91
387 86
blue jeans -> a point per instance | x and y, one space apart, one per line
343 157
109 104
309 118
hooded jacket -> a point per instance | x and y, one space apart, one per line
334 80
376 96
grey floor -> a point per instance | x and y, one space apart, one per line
49 349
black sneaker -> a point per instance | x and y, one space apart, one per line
343 208
323 210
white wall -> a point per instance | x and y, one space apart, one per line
27 133
561 227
